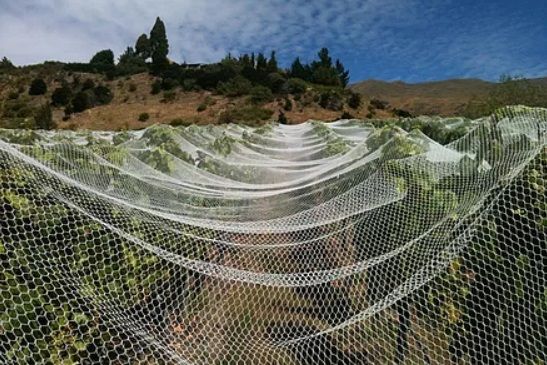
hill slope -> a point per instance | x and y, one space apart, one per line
445 98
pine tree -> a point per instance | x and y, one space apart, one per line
324 58
261 62
298 70
159 46
272 63
342 73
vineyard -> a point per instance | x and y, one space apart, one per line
413 241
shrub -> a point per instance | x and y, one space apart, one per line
354 100
202 107
103 58
61 96
287 105
169 96
88 84
245 114
282 118
402 113
379 104
43 118
13 95
17 109
143 117
156 87
236 86
260 94
276 82
177 122
169 83
347 115
132 87
37 87
103 95
331 100
297 86
82 101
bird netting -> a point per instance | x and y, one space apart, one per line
420 241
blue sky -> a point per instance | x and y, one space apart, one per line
409 40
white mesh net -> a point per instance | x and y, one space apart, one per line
338 243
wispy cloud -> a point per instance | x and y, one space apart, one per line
412 39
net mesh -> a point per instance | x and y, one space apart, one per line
320 243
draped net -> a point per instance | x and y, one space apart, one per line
320 243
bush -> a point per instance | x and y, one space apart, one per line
37 87
82 101
379 104
354 100
143 117
297 86
177 122
245 114
169 83
132 87
402 113
156 87
331 100
88 84
103 58
237 86
288 105
347 115
277 82
202 107
43 118
17 109
282 118
169 96
103 95
13 95
260 94
61 96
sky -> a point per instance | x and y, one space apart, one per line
407 40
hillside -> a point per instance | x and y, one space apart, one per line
133 104
446 98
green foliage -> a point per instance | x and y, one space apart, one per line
159 45
83 100
103 95
260 94
156 87
61 96
282 118
332 100
354 100
103 58
143 117
287 105
6 64
248 115
143 47
169 96
201 107
37 87
130 63
179 122
297 86
43 118
510 90
237 86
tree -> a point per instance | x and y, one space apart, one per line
61 96
343 74
130 62
298 70
324 58
261 62
103 58
272 63
82 101
159 46
142 47
6 64
43 118
37 87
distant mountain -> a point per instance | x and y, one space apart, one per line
445 98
